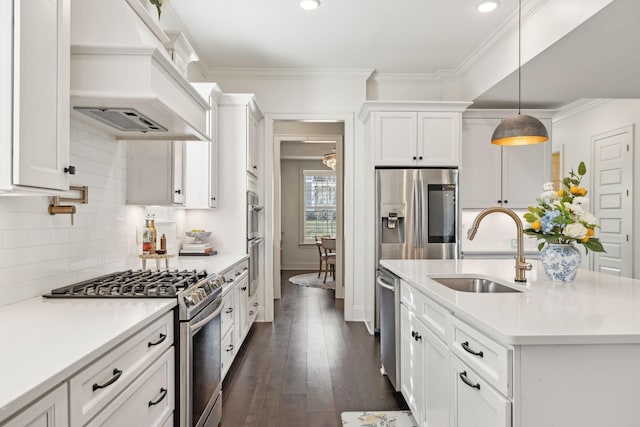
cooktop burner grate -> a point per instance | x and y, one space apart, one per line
132 283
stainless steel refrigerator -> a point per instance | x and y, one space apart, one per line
417 217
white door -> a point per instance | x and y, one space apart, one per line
612 200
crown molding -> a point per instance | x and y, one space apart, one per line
578 107
214 73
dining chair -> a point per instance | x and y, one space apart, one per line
329 247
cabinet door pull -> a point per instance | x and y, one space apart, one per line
465 345
499 201
160 340
230 347
116 375
229 310
178 191
505 201
418 337
420 158
255 304
163 394
414 157
463 377
71 170
244 288
413 334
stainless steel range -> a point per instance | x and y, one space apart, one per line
199 400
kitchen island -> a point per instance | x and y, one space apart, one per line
552 354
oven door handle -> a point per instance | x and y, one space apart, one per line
193 328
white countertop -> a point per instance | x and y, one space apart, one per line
44 341
595 308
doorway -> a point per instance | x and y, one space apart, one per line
310 189
345 245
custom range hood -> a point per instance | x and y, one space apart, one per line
122 78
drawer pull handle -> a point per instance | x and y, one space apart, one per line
244 288
230 347
160 340
163 394
468 349
255 304
251 313
229 310
116 375
463 377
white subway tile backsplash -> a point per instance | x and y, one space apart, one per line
39 252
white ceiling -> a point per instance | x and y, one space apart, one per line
599 59
390 36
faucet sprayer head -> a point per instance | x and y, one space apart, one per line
471 233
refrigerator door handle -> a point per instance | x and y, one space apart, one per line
421 246
416 217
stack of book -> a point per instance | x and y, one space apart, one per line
197 249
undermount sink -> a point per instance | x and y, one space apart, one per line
473 284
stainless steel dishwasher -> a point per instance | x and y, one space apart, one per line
389 285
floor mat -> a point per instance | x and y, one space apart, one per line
378 419
312 280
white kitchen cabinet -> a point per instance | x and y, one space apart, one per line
115 373
201 162
492 175
148 401
253 158
51 410
475 402
424 363
414 133
34 122
155 173
228 347
241 320
411 362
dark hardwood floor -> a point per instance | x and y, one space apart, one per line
306 367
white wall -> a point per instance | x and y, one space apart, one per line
39 252
294 255
573 131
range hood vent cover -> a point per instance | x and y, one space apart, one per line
124 119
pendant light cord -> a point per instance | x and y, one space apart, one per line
519 54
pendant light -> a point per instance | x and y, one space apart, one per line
520 129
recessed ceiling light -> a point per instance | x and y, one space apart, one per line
309 4
487 6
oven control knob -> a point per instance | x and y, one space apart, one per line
202 293
188 301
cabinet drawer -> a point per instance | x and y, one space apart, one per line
226 319
476 403
486 357
434 316
149 401
98 384
253 309
228 351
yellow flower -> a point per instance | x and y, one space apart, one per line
560 193
536 225
585 239
590 232
582 191
574 189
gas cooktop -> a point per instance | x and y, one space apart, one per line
132 283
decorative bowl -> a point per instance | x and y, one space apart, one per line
198 235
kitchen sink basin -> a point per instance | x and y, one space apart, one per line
473 284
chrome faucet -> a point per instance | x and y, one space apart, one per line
521 265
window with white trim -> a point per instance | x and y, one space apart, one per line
318 216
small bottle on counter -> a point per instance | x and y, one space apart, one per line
154 234
163 243
146 237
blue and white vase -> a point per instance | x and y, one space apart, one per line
560 261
